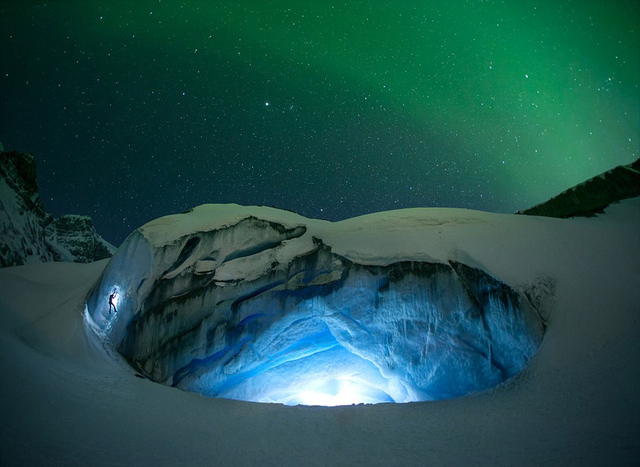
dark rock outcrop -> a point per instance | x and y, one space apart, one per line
592 196
28 233
75 239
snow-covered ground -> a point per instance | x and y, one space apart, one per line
65 399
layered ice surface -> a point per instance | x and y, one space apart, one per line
264 305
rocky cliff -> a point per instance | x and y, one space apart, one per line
592 196
28 233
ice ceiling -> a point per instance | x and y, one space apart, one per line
260 311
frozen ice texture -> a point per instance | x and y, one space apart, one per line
263 305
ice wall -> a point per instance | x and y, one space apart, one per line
264 310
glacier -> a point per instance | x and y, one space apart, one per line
68 397
263 305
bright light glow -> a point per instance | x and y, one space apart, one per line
114 296
348 393
334 392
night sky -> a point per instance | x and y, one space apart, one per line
138 109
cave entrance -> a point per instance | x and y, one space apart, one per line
399 333
256 312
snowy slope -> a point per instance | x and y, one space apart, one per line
67 398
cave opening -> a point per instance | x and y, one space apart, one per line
226 319
401 333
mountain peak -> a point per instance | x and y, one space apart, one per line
28 233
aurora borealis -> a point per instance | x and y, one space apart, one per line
139 109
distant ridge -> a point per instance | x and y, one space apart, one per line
592 196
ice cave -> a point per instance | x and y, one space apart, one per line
268 307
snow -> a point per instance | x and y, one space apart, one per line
207 217
67 398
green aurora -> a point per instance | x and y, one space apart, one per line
550 87
482 104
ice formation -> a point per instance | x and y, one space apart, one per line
263 305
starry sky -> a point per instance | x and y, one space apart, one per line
332 109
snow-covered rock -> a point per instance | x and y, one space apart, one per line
75 239
28 234
264 305
594 195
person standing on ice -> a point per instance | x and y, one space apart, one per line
111 304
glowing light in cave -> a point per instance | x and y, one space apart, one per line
325 386
348 393
103 320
